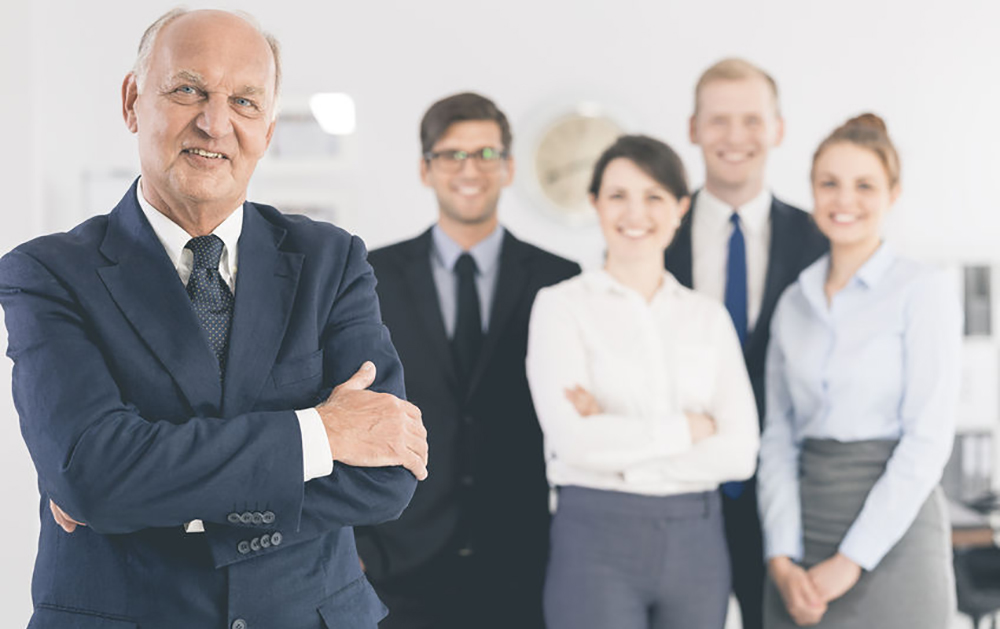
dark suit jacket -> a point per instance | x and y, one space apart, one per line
131 431
486 486
795 244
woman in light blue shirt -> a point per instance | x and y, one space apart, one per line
862 388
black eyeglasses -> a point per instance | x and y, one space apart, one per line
486 159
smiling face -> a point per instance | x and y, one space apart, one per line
638 215
736 124
205 114
852 195
469 196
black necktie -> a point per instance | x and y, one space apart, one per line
210 295
468 324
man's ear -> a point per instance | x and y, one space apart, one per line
425 171
692 132
130 93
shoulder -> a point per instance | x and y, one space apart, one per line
302 232
553 267
70 251
565 295
922 282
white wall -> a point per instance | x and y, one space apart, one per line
932 73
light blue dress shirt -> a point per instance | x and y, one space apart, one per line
445 253
881 361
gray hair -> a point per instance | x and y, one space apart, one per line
141 66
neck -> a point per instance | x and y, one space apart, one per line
734 195
467 235
644 276
845 260
197 219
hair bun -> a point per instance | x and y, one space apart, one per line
867 121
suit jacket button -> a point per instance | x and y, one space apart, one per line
268 517
239 623
468 480
246 517
265 541
233 518
257 518
243 547
255 544
467 419
275 538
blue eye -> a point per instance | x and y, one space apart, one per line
186 89
243 102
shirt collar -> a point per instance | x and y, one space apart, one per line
173 237
486 252
754 213
813 278
600 279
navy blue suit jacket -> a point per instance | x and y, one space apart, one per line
131 431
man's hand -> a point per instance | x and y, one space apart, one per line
67 523
801 596
584 403
369 429
835 576
702 426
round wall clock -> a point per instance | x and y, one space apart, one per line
564 157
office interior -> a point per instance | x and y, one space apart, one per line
928 69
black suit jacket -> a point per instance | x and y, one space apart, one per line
795 244
486 487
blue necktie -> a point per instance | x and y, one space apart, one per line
210 295
736 304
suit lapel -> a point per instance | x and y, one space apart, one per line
266 283
679 254
144 284
511 283
780 263
426 306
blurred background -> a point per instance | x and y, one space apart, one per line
569 74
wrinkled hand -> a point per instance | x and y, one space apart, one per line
369 429
702 426
584 403
835 576
65 522
802 598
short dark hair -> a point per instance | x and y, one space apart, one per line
459 108
653 157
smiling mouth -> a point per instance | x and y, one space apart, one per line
204 153
734 158
634 233
844 219
469 191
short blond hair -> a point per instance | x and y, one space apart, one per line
735 69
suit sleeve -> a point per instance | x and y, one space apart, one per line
106 465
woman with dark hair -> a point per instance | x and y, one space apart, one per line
862 388
646 407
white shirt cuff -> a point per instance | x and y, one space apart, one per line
317 460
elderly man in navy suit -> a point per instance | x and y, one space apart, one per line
175 364
742 246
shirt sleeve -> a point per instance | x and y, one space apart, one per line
731 453
778 474
317 460
605 442
932 343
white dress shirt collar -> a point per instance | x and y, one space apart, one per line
173 238
601 280
754 214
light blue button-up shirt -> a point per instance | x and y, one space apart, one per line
881 361
445 253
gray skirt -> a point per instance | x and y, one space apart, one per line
913 587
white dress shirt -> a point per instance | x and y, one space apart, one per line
710 232
882 361
317 460
646 363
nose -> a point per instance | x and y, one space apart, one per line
214 118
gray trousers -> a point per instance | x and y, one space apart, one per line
626 561
913 587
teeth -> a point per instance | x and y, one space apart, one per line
735 157
468 191
634 233
205 153
844 218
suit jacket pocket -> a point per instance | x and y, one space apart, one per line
298 369
355 606
58 618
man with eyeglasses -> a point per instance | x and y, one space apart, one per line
471 549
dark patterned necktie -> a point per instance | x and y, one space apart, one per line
210 295
468 323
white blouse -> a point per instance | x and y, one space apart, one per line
646 363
